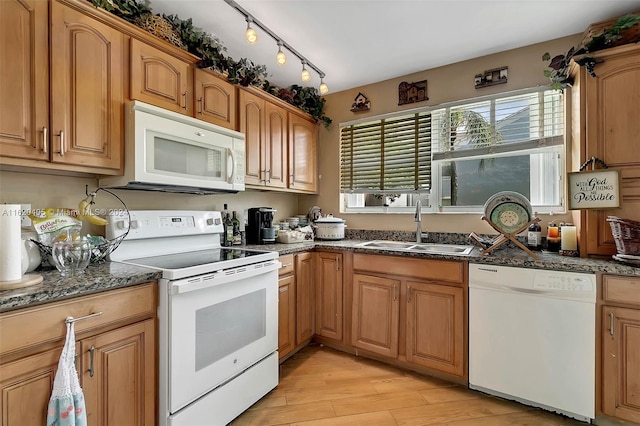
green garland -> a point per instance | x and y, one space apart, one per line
558 72
212 54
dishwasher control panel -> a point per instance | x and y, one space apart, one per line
563 282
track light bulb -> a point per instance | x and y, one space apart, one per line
324 89
281 59
306 75
251 35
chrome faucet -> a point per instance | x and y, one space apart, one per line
418 219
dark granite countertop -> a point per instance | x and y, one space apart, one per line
96 278
111 275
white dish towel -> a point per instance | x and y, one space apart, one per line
66 405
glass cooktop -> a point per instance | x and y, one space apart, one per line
195 258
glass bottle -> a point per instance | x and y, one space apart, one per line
228 230
225 236
534 236
236 229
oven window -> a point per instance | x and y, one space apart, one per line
228 326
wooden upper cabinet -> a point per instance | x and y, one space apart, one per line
215 99
24 88
265 127
605 126
303 145
160 79
275 146
251 123
87 68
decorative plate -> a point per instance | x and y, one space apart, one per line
510 216
504 197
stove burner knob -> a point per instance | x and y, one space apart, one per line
210 221
122 224
135 224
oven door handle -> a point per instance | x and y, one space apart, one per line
223 277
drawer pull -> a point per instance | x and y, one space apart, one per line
611 323
70 320
92 351
44 140
286 265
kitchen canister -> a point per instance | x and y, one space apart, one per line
330 228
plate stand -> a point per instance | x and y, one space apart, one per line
509 236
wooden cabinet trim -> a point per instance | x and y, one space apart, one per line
426 269
46 322
621 290
287 265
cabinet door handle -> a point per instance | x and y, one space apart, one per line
92 351
337 263
408 294
199 105
293 179
61 143
611 318
394 293
184 96
268 173
44 140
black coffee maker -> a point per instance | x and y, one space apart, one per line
259 219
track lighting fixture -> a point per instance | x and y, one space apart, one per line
324 89
305 75
281 58
251 35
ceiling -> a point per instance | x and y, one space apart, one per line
357 42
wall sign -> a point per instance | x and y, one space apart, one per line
597 189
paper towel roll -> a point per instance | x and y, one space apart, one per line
10 241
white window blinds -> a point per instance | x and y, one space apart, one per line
502 125
392 154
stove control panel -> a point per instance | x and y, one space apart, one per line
145 224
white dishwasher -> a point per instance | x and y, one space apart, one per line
532 337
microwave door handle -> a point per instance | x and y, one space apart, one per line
231 165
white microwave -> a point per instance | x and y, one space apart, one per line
170 152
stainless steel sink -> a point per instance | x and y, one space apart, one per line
434 248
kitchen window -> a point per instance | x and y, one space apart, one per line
455 156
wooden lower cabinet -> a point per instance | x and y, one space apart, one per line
296 300
26 386
621 348
434 327
305 300
328 282
286 315
118 372
375 314
411 311
116 357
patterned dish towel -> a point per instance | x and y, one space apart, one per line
66 405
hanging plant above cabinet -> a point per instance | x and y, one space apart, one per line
625 29
212 53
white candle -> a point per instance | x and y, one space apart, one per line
569 238
10 241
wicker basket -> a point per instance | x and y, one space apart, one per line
160 27
626 233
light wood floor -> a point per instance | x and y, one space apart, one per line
320 386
